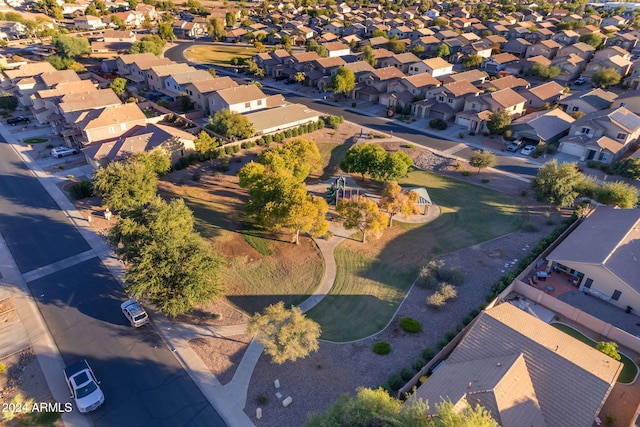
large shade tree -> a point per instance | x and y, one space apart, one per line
343 82
125 185
395 200
557 183
362 214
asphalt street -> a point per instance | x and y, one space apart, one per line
143 383
506 163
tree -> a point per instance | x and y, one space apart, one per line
230 18
442 50
184 102
499 121
119 23
133 4
396 45
167 261
394 200
50 8
344 81
118 85
287 335
362 214
259 46
606 77
629 168
377 408
91 11
8 101
379 33
558 184
369 56
71 46
298 157
440 22
472 61
543 71
216 28
394 166
231 124
618 194
206 144
165 31
591 39
149 44
418 50
125 185
362 159
299 77
609 348
155 160
482 159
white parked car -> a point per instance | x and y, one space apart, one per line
134 313
60 152
84 386
528 150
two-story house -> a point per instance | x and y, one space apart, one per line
157 75
478 109
547 48
588 101
107 123
604 135
375 83
238 99
542 126
176 84
44 101
544 95
199 91
401 93
445 101
402 61
124 62
436 67
500 63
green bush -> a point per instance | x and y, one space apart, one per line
406 374
382 348
268 139
428 353
592 164
81 189
394 382
410 325
485 180
552 149
466 173
228 149
442 342
418 363
437 124
320 124
334 122
450 335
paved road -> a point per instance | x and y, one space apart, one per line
79 300
512 164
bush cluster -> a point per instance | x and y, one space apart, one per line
410 325
442 295
81 189
438 124
382 348
435 273
334 122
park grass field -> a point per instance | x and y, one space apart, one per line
220 55
373 279
331 154
629 370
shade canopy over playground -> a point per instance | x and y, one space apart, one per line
424 201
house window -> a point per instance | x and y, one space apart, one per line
623 104
621 135
441 98
575 109
585 131
112 129
588 283
474 106
123 126
247 104
450 101
616 295
259 101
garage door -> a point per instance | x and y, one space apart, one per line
462 121
572 149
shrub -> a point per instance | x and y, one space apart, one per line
334 122
428 353
235 149
406 373
268 139
442 295
228 150
530 227
449 335
466 173
382 348
508 133
418 363
394 382
552 149
437 124
523 193
485 180
592 164
81 189
411 145
320 124
410 325
442 342
467 319
3 368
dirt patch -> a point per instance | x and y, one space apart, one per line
217 313
221 355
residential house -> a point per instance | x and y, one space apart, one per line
282 117
436 67
235 35
199 91
130 18
482 49
157 75
608 270
475 77
610 57
42 77
523 371
509 81
337 49
445 101
478 109
44 102
615 21
124 62
319 71
238 99
570 67
175 84
376 82
402 32
544 95
547 48
401 93
626 41
115 36
630 99
517 47
566 37
402 61
73 10
88 22
361 70
588 101
542 126
604 136
103 124
428 43
583 50
500 63
139 69
196 28
335 28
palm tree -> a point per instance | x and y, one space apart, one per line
299 77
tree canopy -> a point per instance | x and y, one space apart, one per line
68 46
231 124
286 335
165 31
442 50
216 28
8 101
369 56
606 77
591 39
499 121
118 85
125 185
149 44
609 348
482 159
629 168
558 184
299 157
395 200
376 408
343 82
373 160
396 45
363 214
167 261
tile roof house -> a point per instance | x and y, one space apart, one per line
402 61
609 58
139 69
239 99
445 101
604 135
499 63
375 83
542 126
176 83
22 80
544 95
608 270
44 102
401 93
475 77
547 48
281 117
436 67
124 62
524 372
199 91
588 101
103 124
630 99
505 82
478 110
570 66
337 49
157 75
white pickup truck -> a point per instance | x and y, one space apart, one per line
84 387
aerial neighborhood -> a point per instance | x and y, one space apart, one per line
311 213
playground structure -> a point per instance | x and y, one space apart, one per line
338 190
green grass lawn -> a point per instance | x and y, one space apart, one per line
629 370
331 154
30 141
219 55
369 288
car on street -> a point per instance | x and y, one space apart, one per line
84 387
514 145
134 313
17 120
60 152
528 150
580 81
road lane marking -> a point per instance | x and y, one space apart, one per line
46 270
